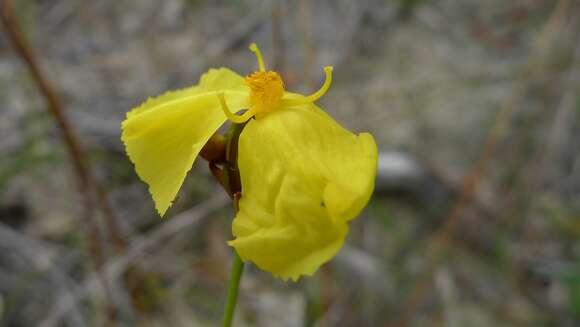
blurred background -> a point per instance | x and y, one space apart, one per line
475 106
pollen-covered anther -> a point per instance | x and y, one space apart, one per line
266 90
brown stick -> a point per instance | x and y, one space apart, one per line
307 40
443 238
87 182
278 58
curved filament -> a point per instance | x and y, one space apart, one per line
254 48
314 96
232 116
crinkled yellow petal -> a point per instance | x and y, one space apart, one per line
303 178
164 135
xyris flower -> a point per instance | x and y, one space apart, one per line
303 176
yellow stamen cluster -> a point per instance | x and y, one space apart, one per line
266 90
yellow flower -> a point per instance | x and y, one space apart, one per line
303 176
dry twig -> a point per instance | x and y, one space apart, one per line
36 254
444 236
86 181
92 192
136 249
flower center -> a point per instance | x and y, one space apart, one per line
266 90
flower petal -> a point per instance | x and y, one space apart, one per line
164 135
303 178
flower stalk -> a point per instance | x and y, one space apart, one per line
233 287
229 178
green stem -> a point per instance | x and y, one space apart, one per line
233 287
234 187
